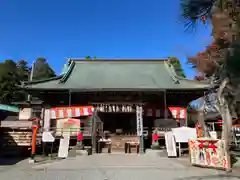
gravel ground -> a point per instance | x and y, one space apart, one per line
113 167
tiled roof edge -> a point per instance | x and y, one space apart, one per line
171 71
41 81
67 74
177 78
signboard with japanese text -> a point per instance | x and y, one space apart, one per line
117 108
208 152
70 125
139 116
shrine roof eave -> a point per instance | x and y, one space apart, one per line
113 90
117 75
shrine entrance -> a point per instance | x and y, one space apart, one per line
120 124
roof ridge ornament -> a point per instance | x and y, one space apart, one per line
171 72
65 67
68 69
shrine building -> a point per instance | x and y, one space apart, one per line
114 89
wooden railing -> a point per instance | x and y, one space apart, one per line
72 131
87 132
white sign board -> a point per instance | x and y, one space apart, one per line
47 137
213 134
25 113
170 144
64 145
139 113
183 134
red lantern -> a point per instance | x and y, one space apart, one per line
155 137
219 122
80 136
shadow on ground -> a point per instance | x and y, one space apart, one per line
46 159
5 161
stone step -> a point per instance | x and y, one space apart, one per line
78 152
159 153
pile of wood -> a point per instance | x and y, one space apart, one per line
18 137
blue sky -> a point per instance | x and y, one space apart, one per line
57 29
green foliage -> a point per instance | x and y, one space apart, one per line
42 70
233 59
194 10
90 58
13 73
23 70
177 66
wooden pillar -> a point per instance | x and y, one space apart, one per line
46 120
94 130
35 126
69 98
34 139
165 105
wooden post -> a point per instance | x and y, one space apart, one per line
35 126
69 98
165 105
34 139
179 149
94 130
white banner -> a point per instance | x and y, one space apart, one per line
139 116
170 144
64 146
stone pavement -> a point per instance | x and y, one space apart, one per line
113 167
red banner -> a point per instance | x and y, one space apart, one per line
178 112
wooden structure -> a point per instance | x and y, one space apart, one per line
208 152
58 114
16 129
115 87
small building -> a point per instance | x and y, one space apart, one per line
115 87
15 128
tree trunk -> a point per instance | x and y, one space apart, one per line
201 120
227 122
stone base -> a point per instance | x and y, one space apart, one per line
81 153
31 161
156 152
79 147
155 146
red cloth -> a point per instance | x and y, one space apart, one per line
80 137
155 137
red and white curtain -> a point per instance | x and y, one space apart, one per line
68 112
65 112
177 112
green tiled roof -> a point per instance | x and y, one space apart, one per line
117 75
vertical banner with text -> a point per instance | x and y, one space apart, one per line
139 117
